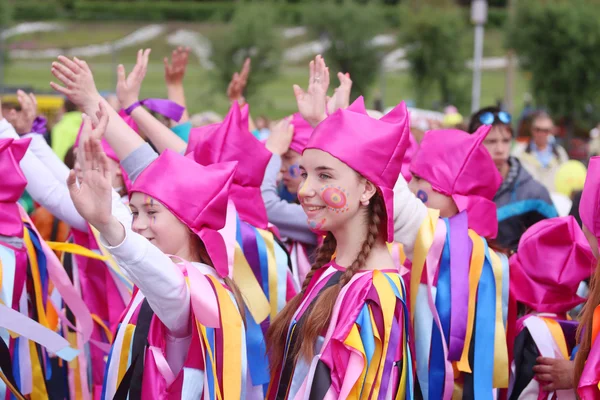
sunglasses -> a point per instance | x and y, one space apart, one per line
488 118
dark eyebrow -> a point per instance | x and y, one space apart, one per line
323 168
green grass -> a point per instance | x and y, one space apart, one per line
275 99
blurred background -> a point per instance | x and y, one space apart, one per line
534 53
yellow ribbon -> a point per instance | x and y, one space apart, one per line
387 300
374 365
231 327
76 249
204 337
422 245
250 288
501 366
354 341
125 352
107 331
477 257
37 375
272 268
558 335
35 273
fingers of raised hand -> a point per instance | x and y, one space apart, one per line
64 74
72 65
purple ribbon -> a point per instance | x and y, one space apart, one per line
460 250
39 125
164 107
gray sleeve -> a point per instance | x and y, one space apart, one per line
289 218
138 160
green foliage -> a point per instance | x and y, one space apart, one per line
253 34
349 29
36 10
153 11
558 43
6 12
435 48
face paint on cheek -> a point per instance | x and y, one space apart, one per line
294 171
316 225
335 198
422 195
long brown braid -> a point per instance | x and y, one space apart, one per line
586 319
319 316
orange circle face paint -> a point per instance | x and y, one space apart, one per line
334 197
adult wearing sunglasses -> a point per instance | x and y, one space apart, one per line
521 201
543 156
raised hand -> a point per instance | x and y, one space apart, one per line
312 103
175 70
22 120
281 136
92 197
95 131
341 95
78 81
128 87
239 81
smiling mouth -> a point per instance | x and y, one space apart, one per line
314 208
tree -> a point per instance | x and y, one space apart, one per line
349 29
435 47
253 35
559 42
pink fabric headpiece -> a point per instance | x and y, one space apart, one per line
374 148
457 164
552 260
589 206
13 185
302 132
195 194
231 140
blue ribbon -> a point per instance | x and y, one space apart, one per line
41 259
209 369
485 323
437 370
16 369
264 262
257 351
110 353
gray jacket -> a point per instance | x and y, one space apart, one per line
521 202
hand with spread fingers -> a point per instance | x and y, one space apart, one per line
93 196
175 69
128 87
22 120
312 103
96 132
239 81
554 374
341 95
280 138
78 83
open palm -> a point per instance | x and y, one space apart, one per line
312 103
92 197
128 87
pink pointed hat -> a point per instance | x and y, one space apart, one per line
302 132
13 185
589 206
374 148
457 164
552 260
196 194
232 141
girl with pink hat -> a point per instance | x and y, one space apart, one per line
541 297
258 258
33 291
346 334
185 305
458 317
587 360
